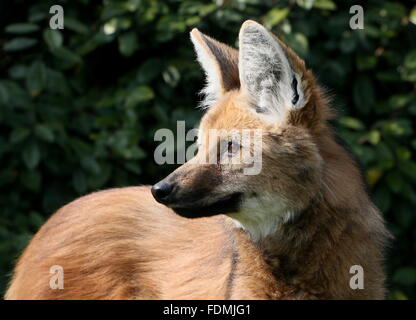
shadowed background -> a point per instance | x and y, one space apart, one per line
79 107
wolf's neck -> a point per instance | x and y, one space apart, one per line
317 249
293 238
263 217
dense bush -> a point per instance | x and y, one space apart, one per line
79 106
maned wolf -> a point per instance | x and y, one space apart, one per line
295 230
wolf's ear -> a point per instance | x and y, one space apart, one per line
220 63
266 74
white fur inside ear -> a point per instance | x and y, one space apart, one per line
266 74
212 90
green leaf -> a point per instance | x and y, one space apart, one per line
363 94
324 4
37 16
410 60
171 76
352 123
365 62
374 137
398 101
19 134
31 179
44 132
399 127
348 43
192 21
397 295
403 153
36 219
405 276
167 26
36 78
4 93
91 165
75 25
395 9
31 156
139 95
127 43
409 169
274 16
98 180
16 96
382 198
395 181
79 182
412 16
133 167
21 28
17 44
385 155
404 214
18 71
373 176
53 38
300 44
66 55
149 70
307 4
57 82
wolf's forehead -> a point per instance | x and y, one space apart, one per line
230 114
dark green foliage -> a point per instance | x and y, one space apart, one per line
79 106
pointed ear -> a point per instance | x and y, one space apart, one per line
266 74
220 63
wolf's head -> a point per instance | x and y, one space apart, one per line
261 97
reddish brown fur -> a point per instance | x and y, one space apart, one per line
121 244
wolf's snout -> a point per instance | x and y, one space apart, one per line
161 191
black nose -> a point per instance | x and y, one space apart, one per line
161 191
